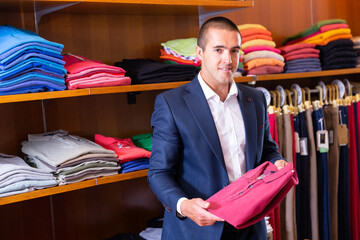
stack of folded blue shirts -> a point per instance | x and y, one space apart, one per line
29 63
134 165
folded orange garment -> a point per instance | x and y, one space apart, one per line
336 37
256 36
250 25
262 61
253 31
165 56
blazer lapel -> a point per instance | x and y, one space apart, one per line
198 106
248 112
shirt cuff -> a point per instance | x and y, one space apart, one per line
179 204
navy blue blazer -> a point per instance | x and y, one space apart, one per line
187 160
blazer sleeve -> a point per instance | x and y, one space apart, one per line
270 150
166 153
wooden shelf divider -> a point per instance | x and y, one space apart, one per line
71 187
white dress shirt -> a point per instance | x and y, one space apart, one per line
230 128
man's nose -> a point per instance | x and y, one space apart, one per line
227 57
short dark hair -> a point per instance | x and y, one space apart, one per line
215 22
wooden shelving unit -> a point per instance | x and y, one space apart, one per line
71 187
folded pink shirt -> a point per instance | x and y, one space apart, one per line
76 64
254 195
125 149
265 69
261 48
302 51
329 27
288 48
98 82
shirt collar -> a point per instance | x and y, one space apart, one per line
210 94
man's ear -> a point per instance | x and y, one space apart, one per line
199 52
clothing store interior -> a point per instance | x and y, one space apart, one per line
78 82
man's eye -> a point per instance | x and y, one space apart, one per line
219 50
236 51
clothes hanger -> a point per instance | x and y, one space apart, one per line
319 103
308 103
296 103
272 107
288 108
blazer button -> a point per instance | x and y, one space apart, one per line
249 99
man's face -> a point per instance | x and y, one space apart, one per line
220 58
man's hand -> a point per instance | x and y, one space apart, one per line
196 210
280 164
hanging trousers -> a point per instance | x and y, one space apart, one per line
331 115
287 207
274 216
323 181
343 191
354 184
313 189
303 219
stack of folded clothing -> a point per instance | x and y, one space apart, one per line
86 73
180 51
29 63
356 41
132 158
16 176
302 57
322 33
261 56
70 158
142 71
338 54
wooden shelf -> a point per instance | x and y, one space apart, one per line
163 86
71 187
153 7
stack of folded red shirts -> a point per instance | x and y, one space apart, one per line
261 56
86 73
302 57
132 158
180 51
322 33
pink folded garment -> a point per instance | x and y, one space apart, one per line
75 64
302 51
251 197
98 82
265 69
288 48
93 76
329 27
260 48
94 71
125 149
299 56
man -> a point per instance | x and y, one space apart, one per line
208 133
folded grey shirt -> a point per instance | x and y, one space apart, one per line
56 148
